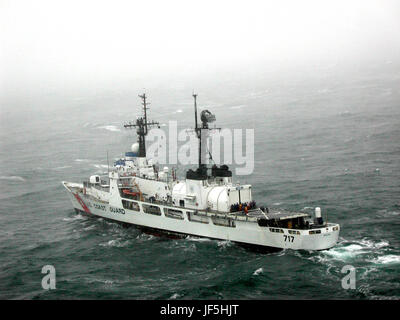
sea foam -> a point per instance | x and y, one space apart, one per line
12 178
110 128
258 271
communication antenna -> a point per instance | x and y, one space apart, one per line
195 113
142 126
108 166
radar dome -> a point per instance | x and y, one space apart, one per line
135 147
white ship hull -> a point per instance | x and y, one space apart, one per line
242 230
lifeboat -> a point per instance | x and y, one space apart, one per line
131 193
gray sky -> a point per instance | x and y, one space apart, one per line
72 40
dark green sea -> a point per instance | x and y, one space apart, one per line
329 138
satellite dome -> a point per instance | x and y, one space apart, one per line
135 147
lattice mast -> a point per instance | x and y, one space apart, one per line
142 126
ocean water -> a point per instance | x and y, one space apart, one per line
330 140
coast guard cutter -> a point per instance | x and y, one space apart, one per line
207 203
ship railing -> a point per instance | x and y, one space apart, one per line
237 215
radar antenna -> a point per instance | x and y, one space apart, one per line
206 117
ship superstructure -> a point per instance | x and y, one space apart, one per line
206 203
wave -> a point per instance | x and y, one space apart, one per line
174 296
237 107
145 237
387 259
386 91
12 178
346 252
63 167
257 94
223 244
99 166
372 244
90 227
191 248
345 113
324 90
352 249
190 238
115 243
110 128
258 271
389 213
76 217
104 281
81 160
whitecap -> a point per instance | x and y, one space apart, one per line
354 249
224 244
63 167
81 160
258 271
190 238
105 281
345 113
99 166
388 259
110 128
371 244
145 237
385 212
90 228
174 296
12 178
343 253
76 217
365 271
115 243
